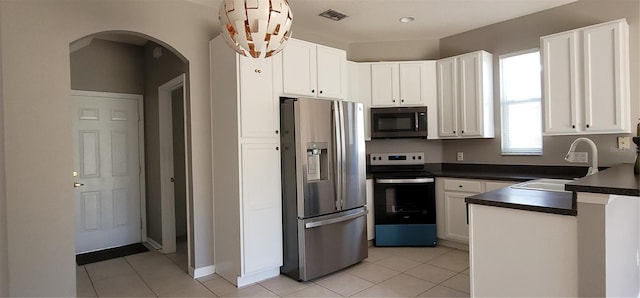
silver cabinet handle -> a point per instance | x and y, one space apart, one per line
335 220
405 181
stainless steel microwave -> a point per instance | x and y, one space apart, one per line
399 122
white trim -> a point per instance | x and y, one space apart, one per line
141 157
167 197
154 244
260 276
202 271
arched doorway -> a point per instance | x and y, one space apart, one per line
127 63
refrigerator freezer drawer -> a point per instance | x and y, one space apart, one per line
331 244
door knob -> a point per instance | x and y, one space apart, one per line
77 184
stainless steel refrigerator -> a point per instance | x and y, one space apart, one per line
323 184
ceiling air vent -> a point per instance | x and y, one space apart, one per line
333 15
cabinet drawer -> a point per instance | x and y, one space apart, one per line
463 185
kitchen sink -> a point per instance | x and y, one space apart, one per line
544 184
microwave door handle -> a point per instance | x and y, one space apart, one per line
416 120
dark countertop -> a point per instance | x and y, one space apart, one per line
516 173
617 180
530 200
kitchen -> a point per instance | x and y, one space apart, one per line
497 40
452 228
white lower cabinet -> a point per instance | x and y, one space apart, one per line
451 208
262 245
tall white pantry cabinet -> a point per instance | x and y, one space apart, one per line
246 165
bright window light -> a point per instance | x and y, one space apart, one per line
521 103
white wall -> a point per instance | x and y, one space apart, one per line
405 50
35 38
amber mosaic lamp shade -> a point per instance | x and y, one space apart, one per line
256 28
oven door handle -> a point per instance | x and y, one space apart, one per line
405 181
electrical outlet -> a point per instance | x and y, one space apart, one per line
578 157
624 143
460 156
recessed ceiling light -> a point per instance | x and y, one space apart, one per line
407 19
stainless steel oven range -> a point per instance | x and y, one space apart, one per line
404 200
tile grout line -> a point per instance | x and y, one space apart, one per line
140 276
90 280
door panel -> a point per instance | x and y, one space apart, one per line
447 97
315 130
106 159
347 244
354 167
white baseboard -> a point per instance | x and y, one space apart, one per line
202 271
453 244
256 277
154 244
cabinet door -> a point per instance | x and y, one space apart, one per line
370 210
456 226
332 69
360 91
605 78
261 207
259 108
560 83
299 73
471 95
447 72
412 78
430 96
385 84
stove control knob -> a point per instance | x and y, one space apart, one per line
419 157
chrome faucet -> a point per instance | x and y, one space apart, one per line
594 154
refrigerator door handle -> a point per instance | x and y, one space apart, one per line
325 222
342 160
337 170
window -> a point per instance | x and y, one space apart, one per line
521 106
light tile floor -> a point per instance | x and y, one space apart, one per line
388 272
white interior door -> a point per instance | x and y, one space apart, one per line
106 160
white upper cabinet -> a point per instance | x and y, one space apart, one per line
402 83
259 108
586 80
465 96
359 78
313 70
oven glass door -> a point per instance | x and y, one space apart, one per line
405 201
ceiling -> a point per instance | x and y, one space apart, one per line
377 20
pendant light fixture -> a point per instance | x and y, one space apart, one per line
256 28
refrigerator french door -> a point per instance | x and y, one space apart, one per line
323 183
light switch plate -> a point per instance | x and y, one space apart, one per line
624 143
460 156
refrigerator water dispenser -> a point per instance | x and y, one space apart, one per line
316 162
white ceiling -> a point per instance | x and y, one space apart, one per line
377 20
